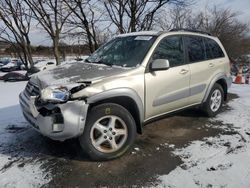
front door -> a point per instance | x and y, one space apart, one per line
167 90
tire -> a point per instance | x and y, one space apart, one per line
214 101
102 139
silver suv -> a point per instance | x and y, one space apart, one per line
128 82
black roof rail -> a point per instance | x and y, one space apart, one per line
190 30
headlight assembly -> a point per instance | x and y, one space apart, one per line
55 94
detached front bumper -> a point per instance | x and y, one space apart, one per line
63 121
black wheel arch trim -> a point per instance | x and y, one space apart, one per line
121 92
218 77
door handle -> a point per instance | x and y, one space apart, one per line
211 65
184 71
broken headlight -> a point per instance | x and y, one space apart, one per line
55 94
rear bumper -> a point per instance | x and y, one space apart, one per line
66 123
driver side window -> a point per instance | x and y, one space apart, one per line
170 48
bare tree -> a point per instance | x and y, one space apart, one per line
84 17
51 15
136 15
224 24
116 11
176 18
16 27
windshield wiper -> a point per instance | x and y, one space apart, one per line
99 62
87 61
108 64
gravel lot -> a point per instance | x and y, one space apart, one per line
172 146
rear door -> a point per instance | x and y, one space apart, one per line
167 90
204 56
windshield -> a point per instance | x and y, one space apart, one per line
123 51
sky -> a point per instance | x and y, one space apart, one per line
39 37
240 6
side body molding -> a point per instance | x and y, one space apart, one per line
228 81
120 92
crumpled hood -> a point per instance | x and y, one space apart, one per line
76 72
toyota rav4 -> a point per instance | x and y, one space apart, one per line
128 82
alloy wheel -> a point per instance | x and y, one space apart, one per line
108 134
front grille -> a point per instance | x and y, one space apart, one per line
32 89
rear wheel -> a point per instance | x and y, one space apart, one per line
214 101
109 132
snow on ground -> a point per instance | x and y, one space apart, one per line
221 161
9 93
16 169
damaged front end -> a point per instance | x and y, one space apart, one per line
52 110
60 94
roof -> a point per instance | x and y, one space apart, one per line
157 33
153 33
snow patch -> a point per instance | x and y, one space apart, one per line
30 175
220 161
16 170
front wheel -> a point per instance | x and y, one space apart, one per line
109 132
214 101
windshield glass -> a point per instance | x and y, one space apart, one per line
126 51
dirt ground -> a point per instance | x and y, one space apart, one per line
150 156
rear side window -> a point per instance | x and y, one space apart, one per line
170 48
213 49
195 49
209 53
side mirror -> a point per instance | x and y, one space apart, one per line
159 64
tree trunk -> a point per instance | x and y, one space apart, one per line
56 50
133 16
27 57
96 45
29 53
23 59
89 35
91 48
21 51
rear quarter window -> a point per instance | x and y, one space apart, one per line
213 50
